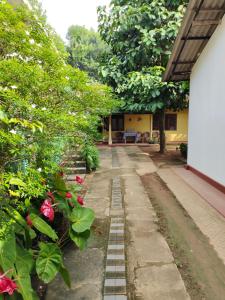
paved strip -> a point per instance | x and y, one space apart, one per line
115 284
151 270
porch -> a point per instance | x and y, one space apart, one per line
143 128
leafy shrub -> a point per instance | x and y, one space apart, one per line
46 107
184 150
31 244
90 154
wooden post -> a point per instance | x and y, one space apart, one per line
110 130
162 131
151 126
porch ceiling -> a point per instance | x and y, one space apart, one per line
200 21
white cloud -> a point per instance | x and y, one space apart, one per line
62 14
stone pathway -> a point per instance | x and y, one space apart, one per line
130 259
115 285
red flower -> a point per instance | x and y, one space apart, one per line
29 221
80 200
7 285
47 210
79 180
61 173
50 195
69 195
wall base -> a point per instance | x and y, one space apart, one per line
214 183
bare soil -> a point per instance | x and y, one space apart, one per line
201 269
171 157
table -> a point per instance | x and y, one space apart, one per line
129 134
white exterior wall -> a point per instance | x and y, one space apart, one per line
207 109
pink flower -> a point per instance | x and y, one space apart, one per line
47 210
69 195
79 180
29 221
50 195
80 200
7 285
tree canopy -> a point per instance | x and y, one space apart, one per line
140 34
85 49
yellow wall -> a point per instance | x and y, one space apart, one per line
181 134
137 122
143 123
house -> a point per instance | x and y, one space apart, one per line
144 127
199 56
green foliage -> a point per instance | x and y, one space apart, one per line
90 153
80 239
46 107
82 219
43 227
85 49
184 150
48 262
140 35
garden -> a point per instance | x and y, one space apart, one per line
48 110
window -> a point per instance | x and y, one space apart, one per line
171 122
118 123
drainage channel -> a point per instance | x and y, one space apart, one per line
115 285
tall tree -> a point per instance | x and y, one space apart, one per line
85 49
140 34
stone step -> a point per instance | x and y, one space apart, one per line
76 170
77 163
73 156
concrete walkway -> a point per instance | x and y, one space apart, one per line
152 273
196 197
98 272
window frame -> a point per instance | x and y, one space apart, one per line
118 126
168 122
155 122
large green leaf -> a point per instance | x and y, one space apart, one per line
49 261
24 264
16 216
24 260
82 219
80 239
25 288
65 275
8 252
43 227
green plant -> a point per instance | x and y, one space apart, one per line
31 244
90 153
184 150
140 34
46 108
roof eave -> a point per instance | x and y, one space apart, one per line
186 21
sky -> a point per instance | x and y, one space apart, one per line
62 14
